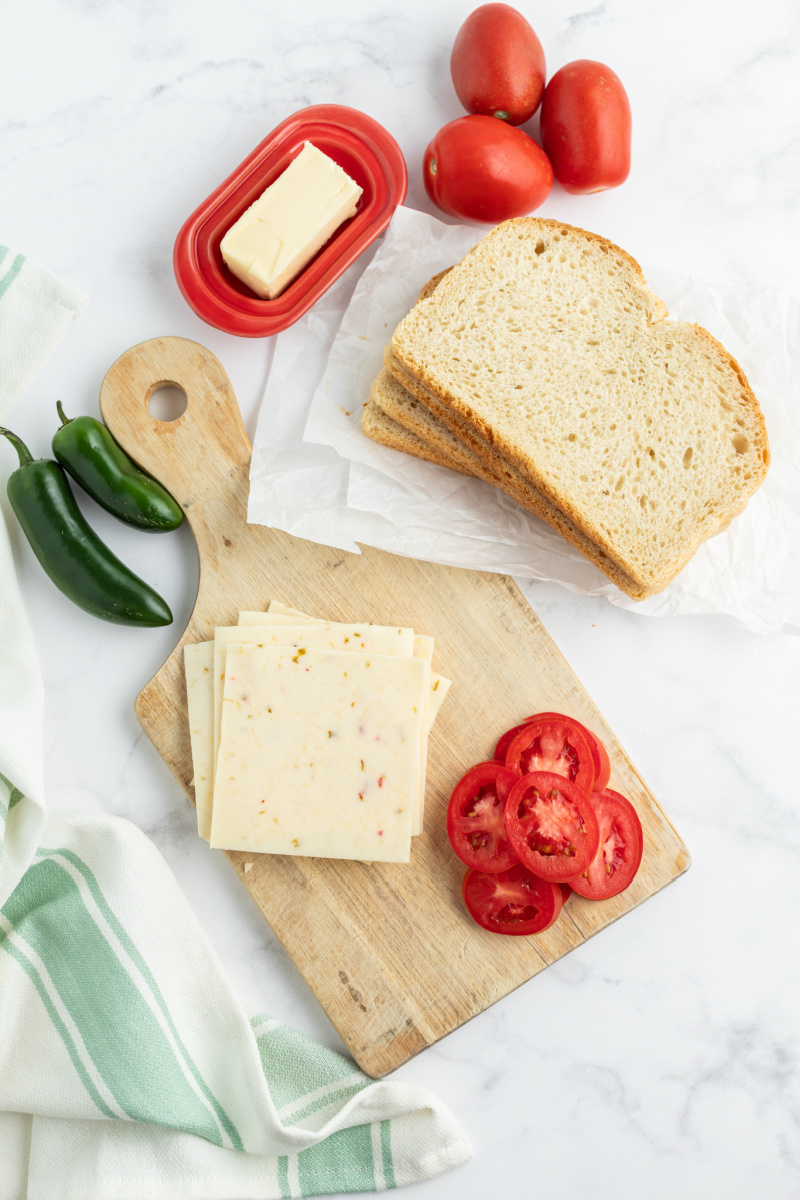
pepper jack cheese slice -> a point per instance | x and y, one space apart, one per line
437 687
282 231
199 664
359 639
318 754
423 648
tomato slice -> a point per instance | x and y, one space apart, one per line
556 745
602 766
552 826
515 901
501 749
620 851
476 818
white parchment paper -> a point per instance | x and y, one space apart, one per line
315 475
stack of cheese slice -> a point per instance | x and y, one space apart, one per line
309 737
543 364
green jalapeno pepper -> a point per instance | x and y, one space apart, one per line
72 554
88 452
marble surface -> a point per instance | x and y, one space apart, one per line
661 1059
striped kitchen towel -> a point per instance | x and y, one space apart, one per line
128 1068
36 309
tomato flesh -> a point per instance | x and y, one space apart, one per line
619 852
476 823
552 826
514 902
501 749
559 747
602 765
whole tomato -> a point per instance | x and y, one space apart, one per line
586 127
481 169
497 64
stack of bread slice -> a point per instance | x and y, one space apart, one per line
543 364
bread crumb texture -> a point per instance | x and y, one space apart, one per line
546 346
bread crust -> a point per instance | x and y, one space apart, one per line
489 468
381 428
493 449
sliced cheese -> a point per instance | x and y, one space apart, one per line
289 222
199 665
278 611
359 639
318 753
435 692
275 606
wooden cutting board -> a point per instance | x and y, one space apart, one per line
388 950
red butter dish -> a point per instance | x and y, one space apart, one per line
369 155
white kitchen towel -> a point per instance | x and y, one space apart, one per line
128 1068
141 1073
36 309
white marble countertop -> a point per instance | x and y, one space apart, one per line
660 1059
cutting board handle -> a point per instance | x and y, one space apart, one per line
204 454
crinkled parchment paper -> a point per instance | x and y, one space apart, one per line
315 475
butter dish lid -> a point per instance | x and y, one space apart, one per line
369 155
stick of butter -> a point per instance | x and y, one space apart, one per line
285 227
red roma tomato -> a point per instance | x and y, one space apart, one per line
620 851
602 766
586 127
497 64
552 826
515 901
476 818
480 169
553 744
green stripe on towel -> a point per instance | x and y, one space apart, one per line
148 1084
345 1156
33 974
139 962
11 274
386 1150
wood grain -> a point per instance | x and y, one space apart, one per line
387 949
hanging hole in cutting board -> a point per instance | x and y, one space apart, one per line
167 403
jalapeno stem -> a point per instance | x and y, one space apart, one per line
25 456
65 420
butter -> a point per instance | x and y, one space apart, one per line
285 227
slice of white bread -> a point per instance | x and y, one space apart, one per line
407 414
381 428
393 417
547 355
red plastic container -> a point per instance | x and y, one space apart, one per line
369 155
